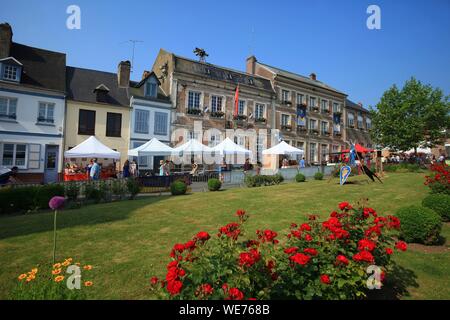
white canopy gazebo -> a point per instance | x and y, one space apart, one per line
420 150
91 148
153 147
284 149
227 146
193 147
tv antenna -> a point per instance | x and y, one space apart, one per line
132 56
201 53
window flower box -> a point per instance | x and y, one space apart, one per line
217 114
314 131
240 117
286 127
261 120
301 129
194 111
315 108
286 102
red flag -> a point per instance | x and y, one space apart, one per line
236 101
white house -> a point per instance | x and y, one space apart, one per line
150 117
32 107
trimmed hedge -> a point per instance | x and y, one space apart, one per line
214 184
419 224
263 180
318 176
402 167
300 177
439 203
22 199
178 188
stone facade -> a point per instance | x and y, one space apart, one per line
357 124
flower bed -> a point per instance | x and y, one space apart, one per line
439 180
316 260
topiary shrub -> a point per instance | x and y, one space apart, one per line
318 176
133 187
419 224
214 184
178 188
300 177
439 203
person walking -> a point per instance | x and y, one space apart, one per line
302 163
126 169
95 170
161 168
133 169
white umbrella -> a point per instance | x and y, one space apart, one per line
227 146
153 147
192 146
283 148
92 148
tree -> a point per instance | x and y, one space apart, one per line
415 116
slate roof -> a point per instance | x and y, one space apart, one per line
43 69
82 82
351 104
215 72
299 77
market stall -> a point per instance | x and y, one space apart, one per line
282 149
89 149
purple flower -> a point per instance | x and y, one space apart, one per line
56 202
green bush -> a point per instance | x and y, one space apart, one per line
32 198
118 188
318 176
72 190
262 180
300 177
214 184
278 178
178 188
419 224
402 167
133 187
91 192
439 203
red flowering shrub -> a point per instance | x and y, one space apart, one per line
316 260
439 180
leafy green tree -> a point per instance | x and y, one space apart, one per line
417 115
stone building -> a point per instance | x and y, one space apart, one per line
357 124
307 111
205 92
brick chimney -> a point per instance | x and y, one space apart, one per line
312 76
251 62
123 74
5 40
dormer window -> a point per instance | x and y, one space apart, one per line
151 88
101 92
10 72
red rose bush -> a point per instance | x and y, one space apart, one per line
315 260
439 179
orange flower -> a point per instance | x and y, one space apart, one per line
22 276
88 283
87 267
77 263
59 278
69 259
31 277
66 263
35 270
56 271
57 265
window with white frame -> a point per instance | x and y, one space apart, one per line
259 111
151 89
10 72
368 123
336 107
8 107
285 95
141 121
194 100
301 99
313 156
324 105
285 120
214 140
312 102
160 123
360 121
46 112
324 127
216 103
241 107
14 154
312 124
325 152
351 119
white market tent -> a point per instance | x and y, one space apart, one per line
192 146
227 146
420 150
92 148
153 147
283 148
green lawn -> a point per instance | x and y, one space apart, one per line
129 241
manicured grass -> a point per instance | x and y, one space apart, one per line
129 241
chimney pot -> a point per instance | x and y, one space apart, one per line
123 74
5 40
313 76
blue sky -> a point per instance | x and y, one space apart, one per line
329 38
